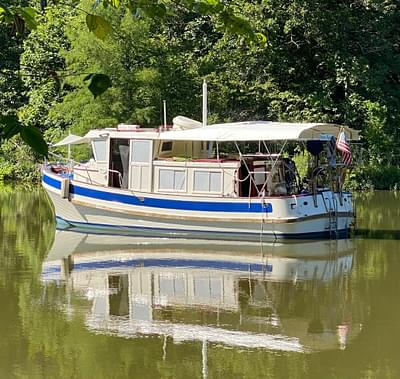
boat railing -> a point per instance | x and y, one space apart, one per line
119 176
71 162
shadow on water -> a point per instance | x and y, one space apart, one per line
378 215
380 234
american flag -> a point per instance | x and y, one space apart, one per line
343 146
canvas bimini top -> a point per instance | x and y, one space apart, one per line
185 129
260 131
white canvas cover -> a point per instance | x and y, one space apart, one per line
190 130
71 139
260 131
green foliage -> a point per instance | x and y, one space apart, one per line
143 70
296 61
17 161
18 17
373 177
9 126
6 170
11 86
38 66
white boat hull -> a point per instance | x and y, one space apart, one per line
95 208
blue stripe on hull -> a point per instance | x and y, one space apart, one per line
186 205
175 263
200 234
51 182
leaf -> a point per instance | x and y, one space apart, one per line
11 126
6 14
34 139
99 83
28 14
113 3
2 13
98 25
236 25
153 11
261 38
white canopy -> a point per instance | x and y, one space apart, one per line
71 139
190 130
260 131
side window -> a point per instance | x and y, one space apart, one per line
100 150
207 181
172 180
166 146
140 151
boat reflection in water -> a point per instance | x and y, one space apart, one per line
288 297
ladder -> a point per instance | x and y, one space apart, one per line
333 217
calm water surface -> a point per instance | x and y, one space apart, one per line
83 306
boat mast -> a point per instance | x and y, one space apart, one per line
204 103
165 113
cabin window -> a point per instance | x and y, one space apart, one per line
140 151
166 146
207 181
172 180
100 150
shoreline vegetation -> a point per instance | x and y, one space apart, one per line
74 66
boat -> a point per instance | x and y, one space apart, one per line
276 296
230 181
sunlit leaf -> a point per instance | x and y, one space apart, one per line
9 126
6 14
98 25
262 38
34 139
2 13
28 14
99 83
113 3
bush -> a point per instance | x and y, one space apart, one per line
374 178
17 162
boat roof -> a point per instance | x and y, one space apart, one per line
261 131
226 132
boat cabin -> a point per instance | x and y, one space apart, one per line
188 160
137 162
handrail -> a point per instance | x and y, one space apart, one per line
119 176
72 161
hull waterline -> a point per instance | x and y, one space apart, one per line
89 213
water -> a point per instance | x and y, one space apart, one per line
85 306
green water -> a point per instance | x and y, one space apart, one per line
68 309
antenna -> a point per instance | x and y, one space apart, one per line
204 103
165 113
